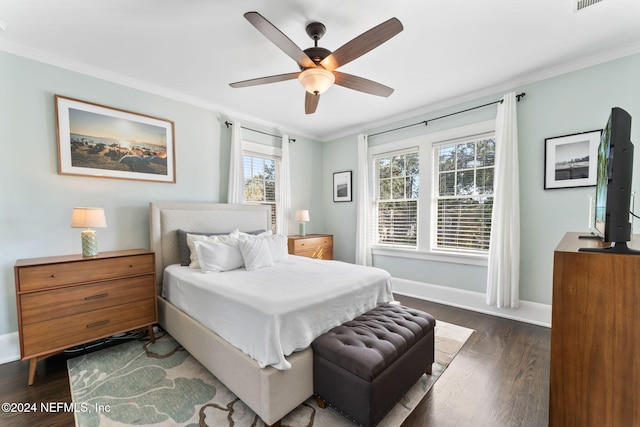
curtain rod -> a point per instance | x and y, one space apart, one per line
228 123
426 122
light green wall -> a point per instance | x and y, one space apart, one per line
36 202
574 102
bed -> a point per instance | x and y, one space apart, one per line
277 383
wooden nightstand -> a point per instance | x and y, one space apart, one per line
319 246
66 301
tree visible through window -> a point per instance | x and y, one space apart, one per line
397 186
260 183
464 195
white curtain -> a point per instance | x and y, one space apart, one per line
235 193
363 248
504 250
284 211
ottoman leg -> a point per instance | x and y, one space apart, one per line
429 370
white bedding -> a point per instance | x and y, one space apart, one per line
271 312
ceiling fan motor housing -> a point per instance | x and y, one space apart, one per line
317 54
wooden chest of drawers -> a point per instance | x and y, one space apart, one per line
69 300
319 246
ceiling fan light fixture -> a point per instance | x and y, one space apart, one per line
316 80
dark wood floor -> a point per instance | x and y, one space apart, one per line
499 378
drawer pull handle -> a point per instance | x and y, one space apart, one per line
130 265
53 276
96 297
93 325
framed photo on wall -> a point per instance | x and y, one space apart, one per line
342 186
571 160
104 142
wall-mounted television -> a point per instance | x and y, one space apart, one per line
613 185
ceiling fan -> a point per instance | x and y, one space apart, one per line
318 65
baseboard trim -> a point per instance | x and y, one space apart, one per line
529 312
9 347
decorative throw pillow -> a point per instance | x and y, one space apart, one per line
278 247
254 234
218 256
255 253
192 238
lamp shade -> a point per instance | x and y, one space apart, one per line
88 217
302 216
316 80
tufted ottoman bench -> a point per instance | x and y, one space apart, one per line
364 366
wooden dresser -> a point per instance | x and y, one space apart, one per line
595 336
66 301
319 246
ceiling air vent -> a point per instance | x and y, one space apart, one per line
581 4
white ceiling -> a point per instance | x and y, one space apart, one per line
450 50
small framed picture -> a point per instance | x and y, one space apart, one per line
342 186
571 160
104 142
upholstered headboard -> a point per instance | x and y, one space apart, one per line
165 218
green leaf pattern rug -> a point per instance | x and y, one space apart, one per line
160 384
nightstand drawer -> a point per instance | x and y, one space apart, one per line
63 332
312 243
317 253
47 305
48 276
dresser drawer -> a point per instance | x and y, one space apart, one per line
47 305
63 332
317 253
51 275
312 243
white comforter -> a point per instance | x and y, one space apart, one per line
271 312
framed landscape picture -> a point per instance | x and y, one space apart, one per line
342 186
99 141
571 160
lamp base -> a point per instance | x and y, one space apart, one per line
302 229
89 243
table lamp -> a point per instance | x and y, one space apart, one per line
302 217
87 218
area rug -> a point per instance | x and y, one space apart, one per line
138 383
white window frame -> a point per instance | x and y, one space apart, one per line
426 217
254 149
376 196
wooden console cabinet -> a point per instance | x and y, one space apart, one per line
595 336
318 246
66 301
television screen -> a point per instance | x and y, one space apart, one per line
602 182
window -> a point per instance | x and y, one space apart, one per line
260 175
397 188
463 194
432 195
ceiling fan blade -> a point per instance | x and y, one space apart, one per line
310 102
361 84
265 80
279 39
362 44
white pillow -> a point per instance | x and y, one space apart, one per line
255 253
192 238
278 246
218 256
243 235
